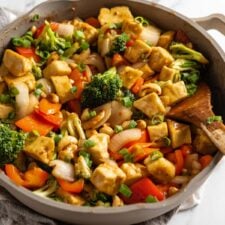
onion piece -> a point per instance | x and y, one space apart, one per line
124 137
65 30
33 101
150 34
104 46
47 85
97 61
62 170
119 114
22 99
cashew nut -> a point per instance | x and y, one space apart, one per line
91 123
149 88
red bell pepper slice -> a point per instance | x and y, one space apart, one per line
142 189
28 53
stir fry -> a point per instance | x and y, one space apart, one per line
83 109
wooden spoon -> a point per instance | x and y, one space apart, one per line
196 110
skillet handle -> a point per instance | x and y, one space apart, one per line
213 21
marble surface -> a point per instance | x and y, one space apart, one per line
211 208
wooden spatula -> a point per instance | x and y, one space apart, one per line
196 110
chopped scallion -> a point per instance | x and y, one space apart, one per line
151 199
212 119
88 143
125 190
118 128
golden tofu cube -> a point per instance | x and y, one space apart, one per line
145 68
138 51
72 199
57 68
42 149
166 39
114 15
63 88
157 132
132 28
28 79
179 133
175 91
133 172
161 169
90 32
129 76
99 152
150 105
107 178
5 110
168 74
159 57
3 71
17 64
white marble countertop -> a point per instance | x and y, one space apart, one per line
211 208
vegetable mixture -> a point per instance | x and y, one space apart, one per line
83 109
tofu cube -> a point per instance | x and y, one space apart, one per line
159 57
145 68
107 178
175 91
166 39
138 51
133 172
132 28
90 32
5 110
114 15
161 169
28 79
17 64
150 105
157 132
57 68
3 72
63 88
72 199
168 74
179 133
129 76
41 149
99 152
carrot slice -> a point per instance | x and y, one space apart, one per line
34 122
137 86
205 160
179 161
73 187
14 174
48 107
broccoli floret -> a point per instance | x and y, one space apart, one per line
48 189
189 72
180 51
126 97
102 89
11 143
119 44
